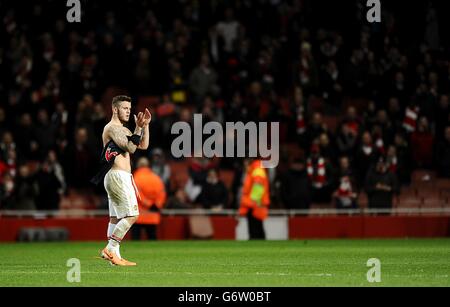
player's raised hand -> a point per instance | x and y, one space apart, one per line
147 117
139 119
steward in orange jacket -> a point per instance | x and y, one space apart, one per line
152 199
255 199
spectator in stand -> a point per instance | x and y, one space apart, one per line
404 159
228 30
332 85
25 138
345 195
79 161
26 190
346 140
4 124
305 70
315 128
214 193
366 155
442 113
7 186
392 160
49 188
321 176
327 148
179 200
381 186
295 186
202 80
443 155
160 167
45 133
422 144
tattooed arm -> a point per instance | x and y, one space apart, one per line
119 136
145 138
144 122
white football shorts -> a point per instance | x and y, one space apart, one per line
122 194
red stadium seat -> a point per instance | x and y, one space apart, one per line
179 174
227 176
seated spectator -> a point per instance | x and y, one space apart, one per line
381 186
214 193
179 201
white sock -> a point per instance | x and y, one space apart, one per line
119 232
110 229
110 232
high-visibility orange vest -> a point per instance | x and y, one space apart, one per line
255 174
152 191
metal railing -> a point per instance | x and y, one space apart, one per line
232 212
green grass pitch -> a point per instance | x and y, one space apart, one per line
232 263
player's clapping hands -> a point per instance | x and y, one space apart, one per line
143 118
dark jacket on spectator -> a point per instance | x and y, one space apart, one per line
380 198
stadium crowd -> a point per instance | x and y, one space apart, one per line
386 85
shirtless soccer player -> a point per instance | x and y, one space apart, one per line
119 142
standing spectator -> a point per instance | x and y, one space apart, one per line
26 139
443 155
45 133
346 140
7 186
56 168
315 128
202 80
305 70
365 156
404 159
49 187
79 160
332 85
345 195
422 144
25 190
442 113
381 186
295 187
228 29
320 174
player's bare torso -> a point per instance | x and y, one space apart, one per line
122 162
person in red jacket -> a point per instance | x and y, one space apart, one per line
153 197
255 199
